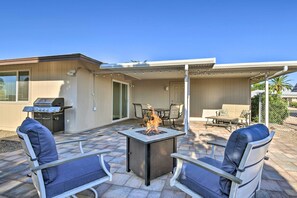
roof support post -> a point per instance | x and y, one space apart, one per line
266 101
260 108
186 99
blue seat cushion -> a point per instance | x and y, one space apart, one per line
74 174
200 180
235 149
43 144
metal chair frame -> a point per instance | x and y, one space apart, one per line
36 169
169 115
247 180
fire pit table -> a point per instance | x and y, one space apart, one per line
148 156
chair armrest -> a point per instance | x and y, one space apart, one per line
207 167
248 114
72 141
69 159
218 143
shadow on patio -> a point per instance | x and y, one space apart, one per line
279 175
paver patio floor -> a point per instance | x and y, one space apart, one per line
279 176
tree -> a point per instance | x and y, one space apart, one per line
279 84
258 86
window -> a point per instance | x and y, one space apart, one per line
23 87
120 101
14 86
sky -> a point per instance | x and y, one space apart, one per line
232 31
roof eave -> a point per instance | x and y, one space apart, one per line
167 63
259 65
65 57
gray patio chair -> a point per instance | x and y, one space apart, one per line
138 110
174 113
53 177
239 175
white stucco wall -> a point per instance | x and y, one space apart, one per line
95 111
47 79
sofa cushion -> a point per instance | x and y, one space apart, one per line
200 180
223 112
235 149
43 144
74 174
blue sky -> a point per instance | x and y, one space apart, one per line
118 31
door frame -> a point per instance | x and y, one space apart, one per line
128 101
170 91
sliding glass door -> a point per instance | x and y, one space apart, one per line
120 100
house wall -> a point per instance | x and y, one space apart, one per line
151 92
50 79
94 110
212 93
205 93
47 79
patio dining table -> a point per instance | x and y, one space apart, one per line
160 111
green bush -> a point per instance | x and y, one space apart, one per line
293 104
255 108
278 109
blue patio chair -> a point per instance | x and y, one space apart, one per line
53 177
239 175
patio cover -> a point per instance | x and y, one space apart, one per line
200 68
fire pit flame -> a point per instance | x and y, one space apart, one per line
153 122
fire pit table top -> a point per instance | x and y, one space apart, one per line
167 133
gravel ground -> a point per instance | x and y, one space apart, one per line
9 141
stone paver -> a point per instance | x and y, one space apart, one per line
119 179
116 192
134 182
138 193
155 185
102 188
173 194
153 194
279 173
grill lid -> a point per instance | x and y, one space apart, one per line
49 102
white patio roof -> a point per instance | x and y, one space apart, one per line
271 68
169 69
198 68
260 65
155 64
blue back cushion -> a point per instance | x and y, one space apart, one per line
43 144
235 148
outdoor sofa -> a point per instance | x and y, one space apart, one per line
237 114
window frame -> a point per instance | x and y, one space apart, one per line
17 86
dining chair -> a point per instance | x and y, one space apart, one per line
138 110
174 113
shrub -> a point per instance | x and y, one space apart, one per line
278 110
293 104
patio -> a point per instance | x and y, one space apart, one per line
279 176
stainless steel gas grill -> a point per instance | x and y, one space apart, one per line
50 112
